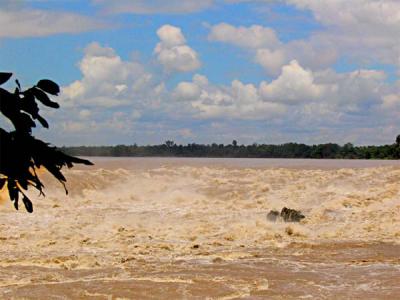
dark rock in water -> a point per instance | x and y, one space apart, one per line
291 215
273 215
287 215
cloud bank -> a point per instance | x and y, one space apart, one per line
19 22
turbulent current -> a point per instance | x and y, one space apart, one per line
156 228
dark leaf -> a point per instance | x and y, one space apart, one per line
42 97
12 190
43 122
4 77
28 204
2 182
23 183
49 86
28 104
78 160
24 123
21 154
55 171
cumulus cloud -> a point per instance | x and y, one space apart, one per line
117 97
271 53
154 6
18 22
107 80
339 92
354 91
172 51
261 41
293 85
271 60
369 15
239 100
362 30
114 98
255 36
187 91
391 101
108 102
297 95
171 36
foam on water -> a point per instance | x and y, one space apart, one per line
203 228
217 205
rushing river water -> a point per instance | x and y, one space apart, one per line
171 228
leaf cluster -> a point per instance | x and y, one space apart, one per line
22 154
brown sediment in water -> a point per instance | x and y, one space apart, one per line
188 231
346 271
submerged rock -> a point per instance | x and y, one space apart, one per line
273 215
287 215
291 215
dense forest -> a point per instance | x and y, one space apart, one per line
288 150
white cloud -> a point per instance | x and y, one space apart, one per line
314 53
74 90
363 30
170 36
239 100
369 15
293 85
73 126
186 133
297 93
178 58
354 89
22 22
117 97
172 51
187 91
268 51
85 114
200 80
107 80
262 42
271 60
254 36
114 97
391 101
154 6
358 16
108 102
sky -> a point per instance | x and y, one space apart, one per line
257 71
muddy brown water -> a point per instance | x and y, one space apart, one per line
197 229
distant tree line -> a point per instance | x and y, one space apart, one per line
288 150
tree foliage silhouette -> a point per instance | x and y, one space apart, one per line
21 154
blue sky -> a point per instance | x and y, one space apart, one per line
269 71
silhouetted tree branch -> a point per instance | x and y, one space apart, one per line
21 154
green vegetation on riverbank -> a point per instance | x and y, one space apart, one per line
289 150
